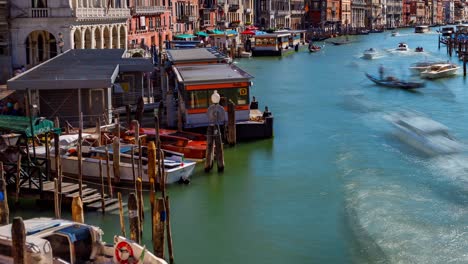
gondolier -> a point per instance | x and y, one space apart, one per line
381 71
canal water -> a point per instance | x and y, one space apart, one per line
334 185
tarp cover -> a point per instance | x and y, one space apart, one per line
21 124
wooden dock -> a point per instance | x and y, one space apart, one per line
91 197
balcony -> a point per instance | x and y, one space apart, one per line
186 19
247 11
233 7
297 12
282 12
39 12
101 13
148 10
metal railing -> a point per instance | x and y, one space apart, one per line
39 12
148 10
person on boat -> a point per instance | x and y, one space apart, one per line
381 71
371 49
254 103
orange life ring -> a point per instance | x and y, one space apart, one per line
124 248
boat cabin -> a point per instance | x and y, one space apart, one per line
196 83
195 56
272 44
421 29
296 38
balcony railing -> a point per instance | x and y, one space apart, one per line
233 7
297 12
186 19
282 12
100 12
39 12
148 10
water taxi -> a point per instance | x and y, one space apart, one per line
425 134
402 47
370 54
66 242
271 44
421 29
440 71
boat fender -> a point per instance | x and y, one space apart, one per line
124 253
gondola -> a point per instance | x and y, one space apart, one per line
395 83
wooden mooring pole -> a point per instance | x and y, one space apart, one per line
18 177
80 156
140 204
465 54
231 135
101 175
4 209
18 237
121 215
168 230
77 210
56 199
116 158
159 217
133 218
209 148
109 180
219 150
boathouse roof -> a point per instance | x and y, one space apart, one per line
176 56
79 68
210 73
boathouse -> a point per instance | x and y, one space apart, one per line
88 81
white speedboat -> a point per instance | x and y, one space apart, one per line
245 54
419 67
176 167
370 54
402 47
425 134
66 242
395 33
440 71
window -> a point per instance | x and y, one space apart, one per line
239 96
263 5
197 99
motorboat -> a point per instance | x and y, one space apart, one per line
245 54
395 33
66 242
370 54
440 71
402 47
392 82
176 167
419 49
419 67
192 145
314 48
421 29
425 134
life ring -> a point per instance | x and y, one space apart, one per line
124 253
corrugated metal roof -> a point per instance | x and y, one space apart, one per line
79 68
197 54
210 73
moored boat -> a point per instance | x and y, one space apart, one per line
245 54
314 48
419 67
440 71
393 82
421 29
425 134
62 241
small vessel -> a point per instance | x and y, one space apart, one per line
66 242
419 67
419 49
370 54
395 33
425 134
402 47
314 48
440 71
421 29
192 145
447 31
393 82
245 54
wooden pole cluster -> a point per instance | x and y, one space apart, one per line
214 145
231 131
4 209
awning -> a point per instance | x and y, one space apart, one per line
231 32
201 34
260 33
248 32
185 36
21 124
217 32
252 27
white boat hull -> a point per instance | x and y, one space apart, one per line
369 56
436 75
90 170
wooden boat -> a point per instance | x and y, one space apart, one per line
66 242
192 145
395 83
440 71
314 48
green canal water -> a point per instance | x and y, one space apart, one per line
334 185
